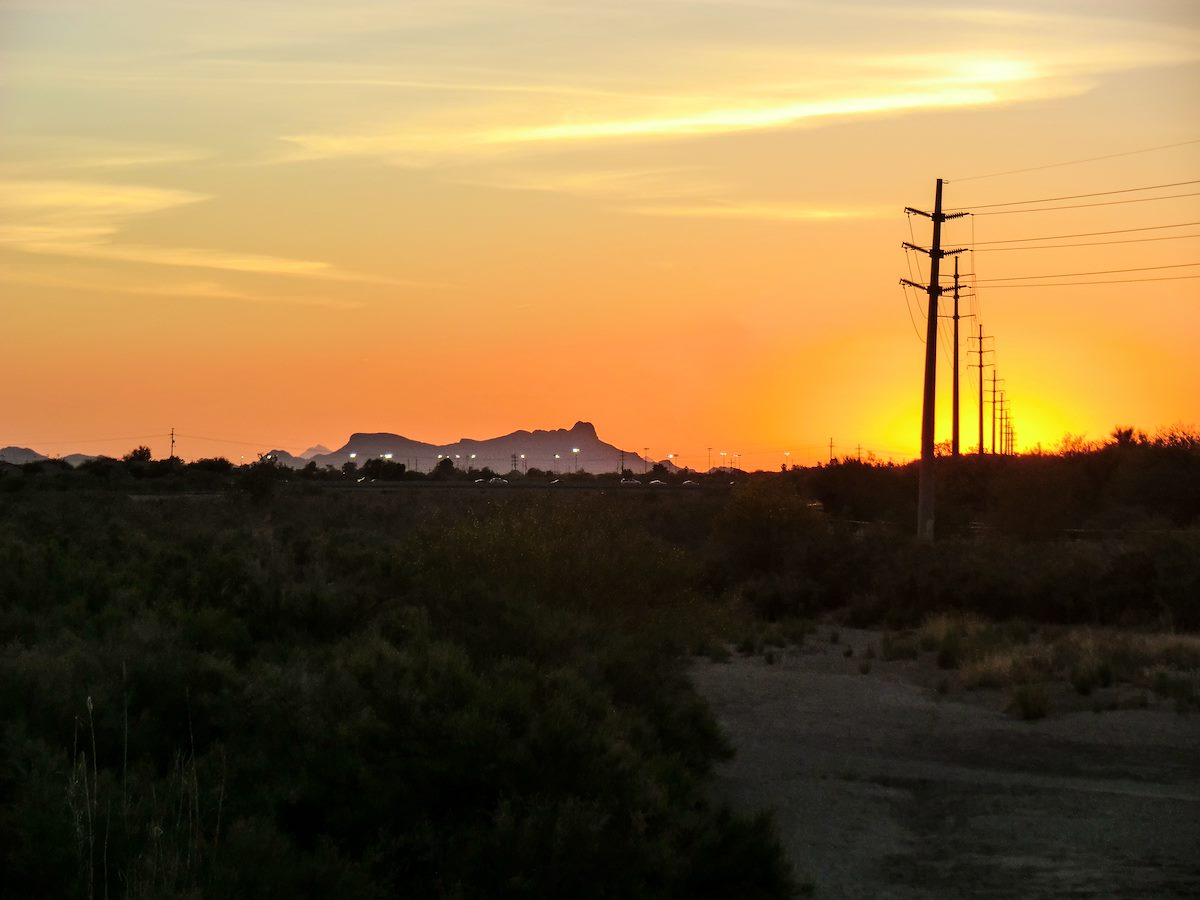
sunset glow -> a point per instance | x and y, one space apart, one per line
271 223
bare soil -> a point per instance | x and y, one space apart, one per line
884 788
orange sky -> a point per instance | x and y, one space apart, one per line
274 223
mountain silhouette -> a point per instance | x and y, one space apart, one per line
537 447
20 455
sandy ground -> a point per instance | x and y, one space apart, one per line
882 788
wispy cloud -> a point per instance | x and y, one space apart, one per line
740 119
205 290
774 212
82 220
27 155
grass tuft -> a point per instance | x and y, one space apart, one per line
1029 702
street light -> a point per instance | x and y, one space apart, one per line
723 466
787 458
575 450
556 459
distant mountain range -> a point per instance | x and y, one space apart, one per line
559 449
19 455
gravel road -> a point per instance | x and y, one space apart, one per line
882 788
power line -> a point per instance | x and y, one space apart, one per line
1172 237
1151 187
1011 212
1075 162
1078 283
128 437
908 306
1096 272
1056 237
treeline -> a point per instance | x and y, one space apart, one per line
1132 482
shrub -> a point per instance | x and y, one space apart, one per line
1029 701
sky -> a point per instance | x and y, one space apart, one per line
272 223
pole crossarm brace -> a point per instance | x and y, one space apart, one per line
907 246
920 287
941 217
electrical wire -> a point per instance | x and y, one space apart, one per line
104 440
1169 237
1013 212
1107 281
908 306
1075 162
1095 272
1057 237
1151 187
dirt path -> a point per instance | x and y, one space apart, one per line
884 789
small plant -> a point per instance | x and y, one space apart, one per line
898 646
1178 686
834 637
1029 702
864 667
1084 679
1138 700
950 652
749 644
848 652
717 652
770 657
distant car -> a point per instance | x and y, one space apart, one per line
657 481
480 481
555 481
690 482
498 481
630 481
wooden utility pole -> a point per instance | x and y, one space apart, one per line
994 380
954 444
981 365
929 398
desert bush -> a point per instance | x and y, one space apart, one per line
1029 701
360 696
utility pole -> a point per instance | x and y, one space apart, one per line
831 449
645 459
994 380
172 442
710 459
981 365
929 399
956 317
1003 412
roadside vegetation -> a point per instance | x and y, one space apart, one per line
249 681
